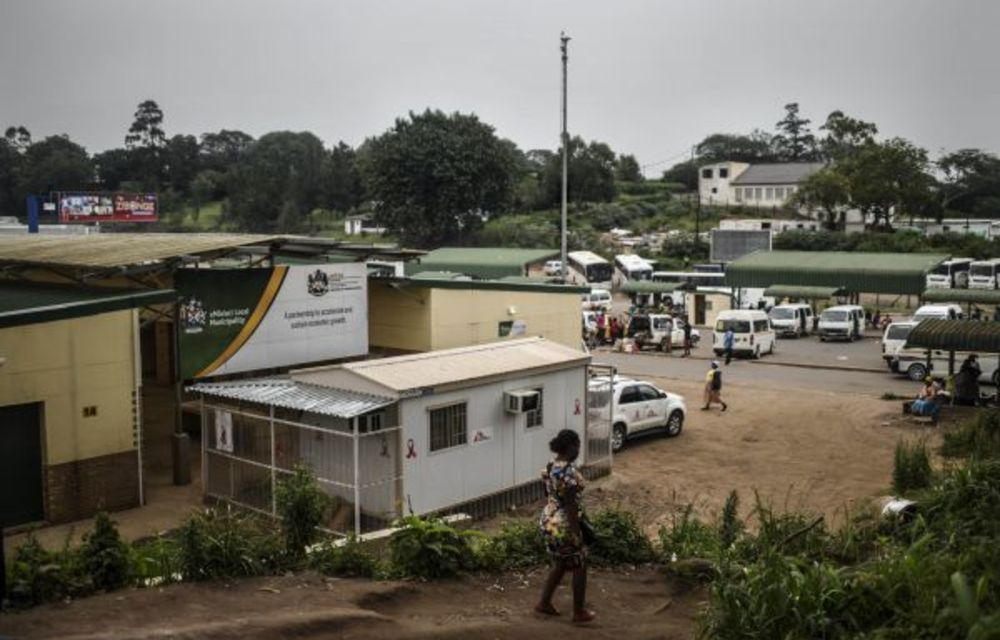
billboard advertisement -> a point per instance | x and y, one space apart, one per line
235 320
107 207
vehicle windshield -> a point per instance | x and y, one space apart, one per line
982 270
925 315
600 272
779 313
941 270
660 323
898 332
738 326
834 316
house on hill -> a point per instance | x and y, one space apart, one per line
752 185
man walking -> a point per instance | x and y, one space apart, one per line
687 338
713 387
727 344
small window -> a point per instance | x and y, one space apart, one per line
769 193
647 393
448 426
715 190
371 422
723 172
739 194
765 226
534 417
756 193
629 395
506 326
759 326
706 173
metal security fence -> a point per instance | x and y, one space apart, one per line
248 450
600 417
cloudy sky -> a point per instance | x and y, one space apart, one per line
648 77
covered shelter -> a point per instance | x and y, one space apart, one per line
487 263
651 292
939 337
892 273
968 297
799 292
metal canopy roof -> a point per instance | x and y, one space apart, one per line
899 273
807 293
24 303
537 285
481 262
292 394
974 296
956 335
650 286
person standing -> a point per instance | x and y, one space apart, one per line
713 387
728 339
600 325
687 338
668 337
562 526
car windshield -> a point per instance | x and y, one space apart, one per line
898 333
982 270
779 313
834 316
738 326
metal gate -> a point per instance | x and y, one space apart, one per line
600 411
21 498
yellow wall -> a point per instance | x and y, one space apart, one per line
399 318
69 365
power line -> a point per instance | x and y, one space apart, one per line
670 159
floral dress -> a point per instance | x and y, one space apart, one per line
564 545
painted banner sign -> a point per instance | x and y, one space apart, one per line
107 207
236 320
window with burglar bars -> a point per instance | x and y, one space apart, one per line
448 426
533 418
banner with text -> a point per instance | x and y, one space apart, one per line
107 207
236 320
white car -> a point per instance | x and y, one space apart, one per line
640 407
651 330
947 311
597 299
553 268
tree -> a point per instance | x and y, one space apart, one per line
828 191
794 142
971 181
591 174
845 135
145 141
726 147
54 164
221 150
114 167
19 138
343 190
889 178
435 177
685 173
181 162
627 169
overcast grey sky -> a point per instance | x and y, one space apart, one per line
648 77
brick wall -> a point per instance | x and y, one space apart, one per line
79 489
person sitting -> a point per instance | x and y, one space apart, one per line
928 402
967 382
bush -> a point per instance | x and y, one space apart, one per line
302 506
518 545
156 561
223 544
347 560
37 575
688 537
977 438
619 539
429 548
911 468
105 556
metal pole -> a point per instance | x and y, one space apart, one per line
357 482
274 476
181 442
563 40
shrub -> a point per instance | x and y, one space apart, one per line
429 548
105 556
911 468
977 438
302 505
348 560
156 560
518 545
619 539
688 537
730 526
37 575
224 544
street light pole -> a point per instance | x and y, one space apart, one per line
563 42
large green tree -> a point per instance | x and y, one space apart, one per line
223 149
145 142
970 182
890 178
181 162
627 169
435 177
342 180
13 144
829 192
54 164
845 135
591 174
794 141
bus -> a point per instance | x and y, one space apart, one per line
950 274
983 274
586 267
631 267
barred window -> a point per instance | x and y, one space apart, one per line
534 417
448 428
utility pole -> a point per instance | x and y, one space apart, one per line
563 42
697 198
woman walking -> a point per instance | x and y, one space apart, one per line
561 525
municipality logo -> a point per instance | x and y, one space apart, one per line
193 315
318 283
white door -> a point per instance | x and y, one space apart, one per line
655 407
633 406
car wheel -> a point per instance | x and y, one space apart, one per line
618 434
916 372
675 423
822 339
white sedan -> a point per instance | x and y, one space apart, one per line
641 407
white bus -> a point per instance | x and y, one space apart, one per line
950 274
586 267
983 274
631 267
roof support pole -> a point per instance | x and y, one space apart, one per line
181 444
274 472
951 364
357 480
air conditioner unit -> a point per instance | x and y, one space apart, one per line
520 401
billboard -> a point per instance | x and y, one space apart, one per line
236 320
107 207
726 245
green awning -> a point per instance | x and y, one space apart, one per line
955 335
806 293
31 303
899 273
649 286
974 296
488 263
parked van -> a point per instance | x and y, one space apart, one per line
597 299
950 274
752 331
893 340
939 312
791 319
843 322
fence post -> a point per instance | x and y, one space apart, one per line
274 477
357 483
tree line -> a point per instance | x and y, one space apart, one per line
882 178
432 178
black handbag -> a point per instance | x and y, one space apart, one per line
588 532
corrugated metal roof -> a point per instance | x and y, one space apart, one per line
293 394
788 173
117 249
481 262
899 273
536 285
807 293
650 286
401 374
975 296
955 335
30 303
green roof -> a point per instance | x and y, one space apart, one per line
899 273
481 262
806 293
975 296
31 303
438 275
650 286
485 285
529 280
956 335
